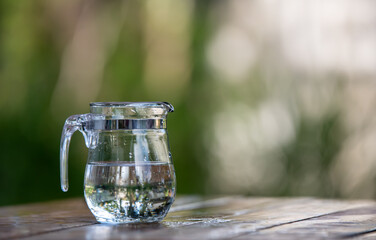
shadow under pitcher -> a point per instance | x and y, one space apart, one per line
129 175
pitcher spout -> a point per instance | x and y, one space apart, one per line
169 107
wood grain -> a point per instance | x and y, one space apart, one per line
192 217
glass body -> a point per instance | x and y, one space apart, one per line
129 175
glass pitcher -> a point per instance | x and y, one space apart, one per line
129 175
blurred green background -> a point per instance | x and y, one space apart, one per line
272 98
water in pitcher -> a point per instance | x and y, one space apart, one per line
129 191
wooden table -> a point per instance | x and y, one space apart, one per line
191 217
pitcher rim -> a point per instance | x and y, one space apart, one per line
114 104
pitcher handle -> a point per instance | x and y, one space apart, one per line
72 124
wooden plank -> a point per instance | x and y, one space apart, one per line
358 221
181 223
33 219
194 217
